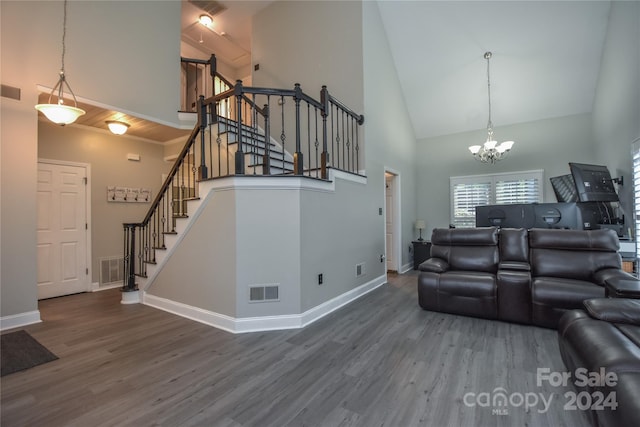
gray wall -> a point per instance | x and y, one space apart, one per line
391 142
545 144
138 78
107 155
207 256
616 111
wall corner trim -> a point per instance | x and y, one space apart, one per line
262 323
21 319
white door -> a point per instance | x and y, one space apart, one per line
391 264
62 230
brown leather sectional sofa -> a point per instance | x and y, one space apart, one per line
602 343
526 276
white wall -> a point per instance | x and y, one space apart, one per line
116 55
545 144
616 110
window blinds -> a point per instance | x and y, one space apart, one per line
465 199
467 192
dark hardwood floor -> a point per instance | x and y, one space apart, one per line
380 361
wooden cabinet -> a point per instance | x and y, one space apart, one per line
421 251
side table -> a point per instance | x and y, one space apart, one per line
421 251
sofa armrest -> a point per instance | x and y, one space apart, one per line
514 265
614 310
602 276
434 265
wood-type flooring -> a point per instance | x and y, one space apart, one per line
379 361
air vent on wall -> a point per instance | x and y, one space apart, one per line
212 8
264 293
111 270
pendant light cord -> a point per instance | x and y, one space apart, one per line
489 124
64 34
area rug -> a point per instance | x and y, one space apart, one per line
20 351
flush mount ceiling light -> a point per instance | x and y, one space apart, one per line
60 113
116 127
490 151
205 20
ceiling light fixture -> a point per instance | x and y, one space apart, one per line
490 151
116 127
205 20
59 113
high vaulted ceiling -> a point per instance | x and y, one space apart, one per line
545 64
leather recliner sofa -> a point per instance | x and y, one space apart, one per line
603 341
525 276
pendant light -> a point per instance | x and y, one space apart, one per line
490 151
59 113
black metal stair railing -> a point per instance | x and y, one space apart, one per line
233 136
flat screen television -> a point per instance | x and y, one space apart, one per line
593 183
565 188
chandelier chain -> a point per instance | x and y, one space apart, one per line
64 34
489 124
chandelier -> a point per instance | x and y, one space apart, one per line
490 151
59 113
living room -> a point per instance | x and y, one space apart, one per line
601 134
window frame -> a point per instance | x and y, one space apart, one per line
493 178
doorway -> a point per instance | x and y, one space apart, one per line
392 220
63 235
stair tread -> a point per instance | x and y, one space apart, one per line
169 232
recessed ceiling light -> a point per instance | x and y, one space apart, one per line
205 20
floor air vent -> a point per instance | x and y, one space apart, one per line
111 270
264 293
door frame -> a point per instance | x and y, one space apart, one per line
396 245
87 209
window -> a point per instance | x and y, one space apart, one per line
467 192
636 189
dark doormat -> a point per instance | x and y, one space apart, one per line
20 351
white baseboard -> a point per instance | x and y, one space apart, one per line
262 323
406 267
17 320
96 287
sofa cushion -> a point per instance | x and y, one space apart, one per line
627 412
573 254
563 293
592 344
616 310
574 240
467 249
514 246
467 283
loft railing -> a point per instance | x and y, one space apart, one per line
240 131
199 77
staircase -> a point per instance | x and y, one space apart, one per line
232 137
